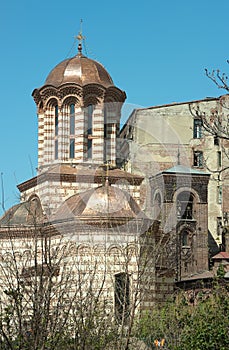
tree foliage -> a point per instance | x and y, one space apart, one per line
203 326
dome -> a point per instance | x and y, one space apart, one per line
79 70
25 213
103 201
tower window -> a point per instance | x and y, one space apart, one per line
185 206
89 116
105 122
105 135
122 296
72 119
72 148
90 110
198 159
56 132
89 148
197 129
56 120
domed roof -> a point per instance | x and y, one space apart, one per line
79 70
104 201
25 213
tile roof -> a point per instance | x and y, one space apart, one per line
199 276
221 255
181 169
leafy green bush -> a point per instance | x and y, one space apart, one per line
203 326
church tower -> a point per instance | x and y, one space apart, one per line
79 110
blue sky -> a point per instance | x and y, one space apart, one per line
154 50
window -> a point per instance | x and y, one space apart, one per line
219 188
72 119
72 132
89 149
105 134
198 159
72 148
90 110
122 296
56 133
216 141
219 159
56 120
105 122
197 129
185 239
185 206
89 115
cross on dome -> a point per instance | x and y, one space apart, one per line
80 38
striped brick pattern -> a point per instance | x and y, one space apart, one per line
97 135
97 145
40 139
49 136
110 142
102 149
79 135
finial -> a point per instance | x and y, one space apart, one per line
80 38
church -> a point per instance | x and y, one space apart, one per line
131 229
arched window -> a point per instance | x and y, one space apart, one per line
105 135
89 114
122 296
72 132
72 119
56 120
185 206
56 132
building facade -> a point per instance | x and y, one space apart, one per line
174 134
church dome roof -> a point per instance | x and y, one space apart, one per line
102 202
79 70
23 214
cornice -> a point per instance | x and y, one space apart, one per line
47 92
76 178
